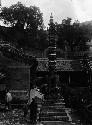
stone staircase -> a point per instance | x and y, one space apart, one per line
54 111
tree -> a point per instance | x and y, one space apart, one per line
72 34
26 24
19 15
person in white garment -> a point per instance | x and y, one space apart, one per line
8 99
32 103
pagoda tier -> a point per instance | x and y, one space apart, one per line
52 45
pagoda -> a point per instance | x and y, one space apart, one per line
52 46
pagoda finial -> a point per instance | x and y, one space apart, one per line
51 18
51 15
0 5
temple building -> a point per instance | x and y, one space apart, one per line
75 71
72 71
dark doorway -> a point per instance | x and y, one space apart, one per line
79 78
64 77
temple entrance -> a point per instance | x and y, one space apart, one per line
64 77
75 78
79 79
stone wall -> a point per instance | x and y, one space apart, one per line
19 77
17 74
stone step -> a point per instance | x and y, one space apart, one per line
55 104
53 107
53 114
52 110
60 103
54 100
55 123
60 99
54 118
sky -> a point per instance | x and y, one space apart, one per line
61 9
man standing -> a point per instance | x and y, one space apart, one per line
35 96
33 111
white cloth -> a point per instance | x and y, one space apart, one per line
9 97
35 93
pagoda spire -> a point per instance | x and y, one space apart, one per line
0 6
52 45
51 18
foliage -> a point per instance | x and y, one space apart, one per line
26 26
20 14
72 34
27 29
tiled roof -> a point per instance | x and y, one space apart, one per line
42 64
61 65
